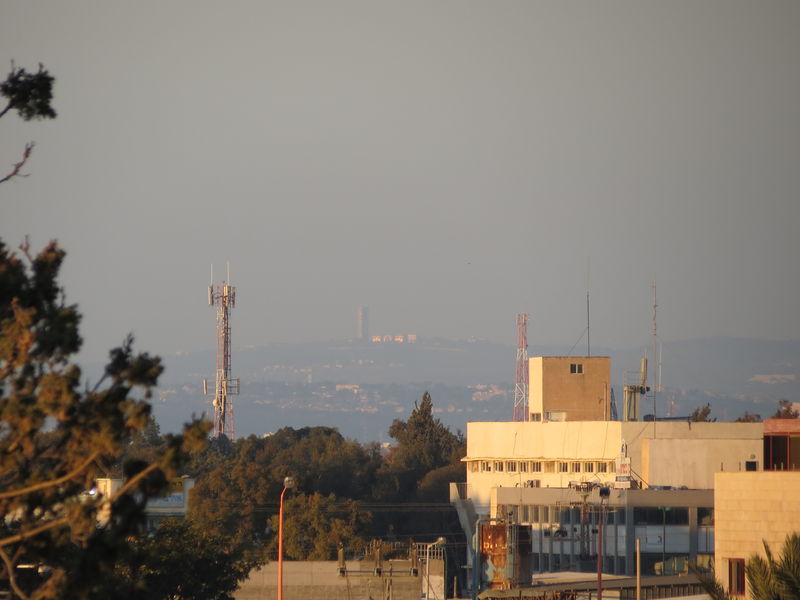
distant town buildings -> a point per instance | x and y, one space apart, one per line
407 338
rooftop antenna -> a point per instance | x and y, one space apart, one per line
521 386
588 331
223 297
655 356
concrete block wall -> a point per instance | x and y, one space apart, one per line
320 580
751 508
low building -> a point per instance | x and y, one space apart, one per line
173 504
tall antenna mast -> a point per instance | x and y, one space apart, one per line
655 355
588 330
521 387
223 297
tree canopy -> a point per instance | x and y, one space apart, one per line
56 438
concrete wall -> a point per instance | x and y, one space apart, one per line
320 580
750 509
694 461
552 387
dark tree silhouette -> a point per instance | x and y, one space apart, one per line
30 94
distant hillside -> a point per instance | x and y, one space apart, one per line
296 384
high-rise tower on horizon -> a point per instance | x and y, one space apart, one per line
362 323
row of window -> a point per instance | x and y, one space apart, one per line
534 513
678 515
543 466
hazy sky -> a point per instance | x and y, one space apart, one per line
447 164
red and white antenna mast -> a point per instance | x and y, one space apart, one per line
521 387
223 297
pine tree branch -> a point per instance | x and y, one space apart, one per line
33 532
50 483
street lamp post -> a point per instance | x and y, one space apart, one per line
605 493
288 483
438 542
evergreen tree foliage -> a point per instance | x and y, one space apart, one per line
748 417
236 497
315 525
56 438
785 411
424 444
181 561
702 414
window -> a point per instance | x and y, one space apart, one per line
536 416
474 466
498 465
576 368
588 467
575 467
511 466
751 465
486 465
562 467
736 576
612 466
705 516
601 467
536 466
523 466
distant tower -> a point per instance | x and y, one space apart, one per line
223 297
362 323
521 387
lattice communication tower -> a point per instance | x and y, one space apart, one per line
521 387
223 297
